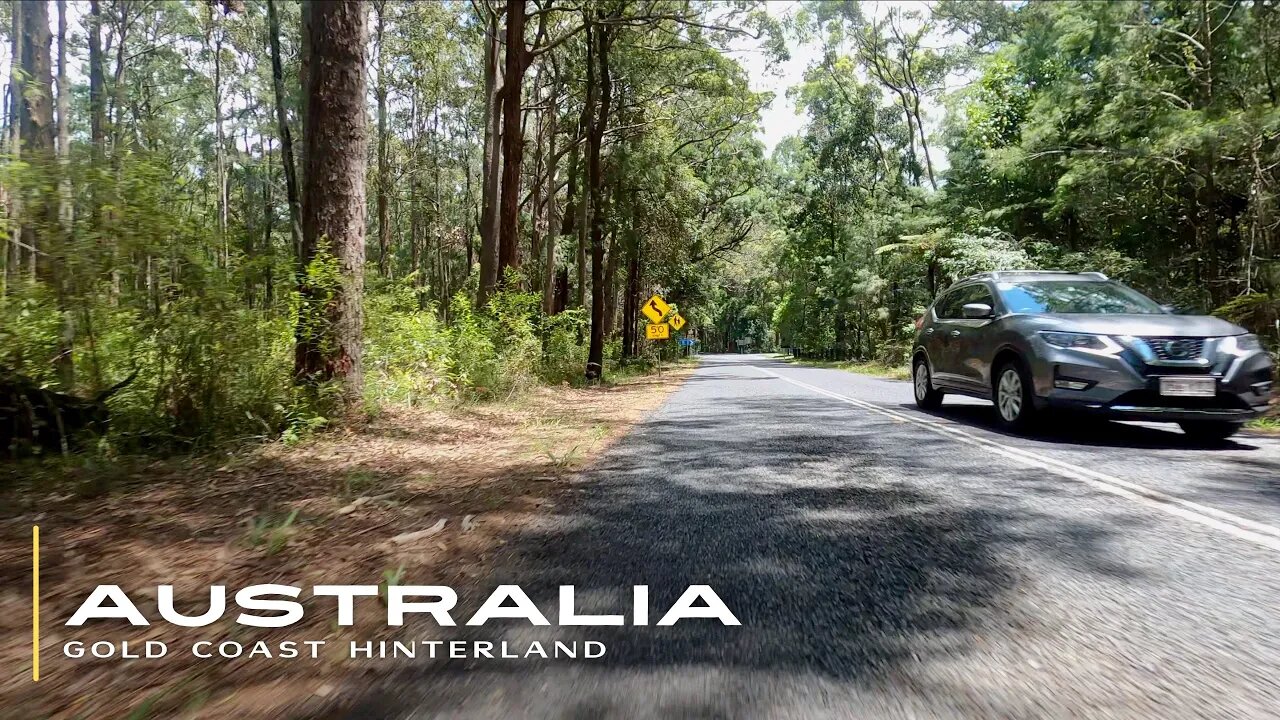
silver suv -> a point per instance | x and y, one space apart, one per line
1034 340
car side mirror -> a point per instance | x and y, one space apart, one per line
1169 309
974 311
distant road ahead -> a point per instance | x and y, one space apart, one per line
887 563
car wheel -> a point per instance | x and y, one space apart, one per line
927 398
1209 430
1015 401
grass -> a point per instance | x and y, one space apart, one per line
869 367
272 532
1268 424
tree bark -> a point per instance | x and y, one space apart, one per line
64 126
490 184
286 136
549 252
384 225
39 150
602 37
13 268
97 82
512 140
333 208
37 120
630 303
214 41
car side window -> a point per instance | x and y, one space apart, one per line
951 306
976 294
946 307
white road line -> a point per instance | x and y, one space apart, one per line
1234 525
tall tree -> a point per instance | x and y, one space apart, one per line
492 162
97 81
512 138
599 40
286 135
384 177
64 125
333 207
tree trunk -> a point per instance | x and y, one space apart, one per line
39 150
333 208
595 139
549 252
64 126
384 183
490 185
286 137
610 281
539 160
630 303
512 140
97 82
37 120
13 268
220 140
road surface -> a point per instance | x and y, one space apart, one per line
888 563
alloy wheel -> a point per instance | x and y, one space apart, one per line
1009 395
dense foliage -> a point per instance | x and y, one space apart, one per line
156 201
1141 139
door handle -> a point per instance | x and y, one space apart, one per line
955 333
928 331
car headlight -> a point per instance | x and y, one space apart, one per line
1248 342
1080 341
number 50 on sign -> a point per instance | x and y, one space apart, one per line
657 331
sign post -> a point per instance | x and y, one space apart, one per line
662 322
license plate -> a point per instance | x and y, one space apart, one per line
1188 386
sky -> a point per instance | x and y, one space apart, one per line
779 119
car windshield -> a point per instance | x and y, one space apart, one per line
1075 296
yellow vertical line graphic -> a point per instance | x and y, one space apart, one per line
35 603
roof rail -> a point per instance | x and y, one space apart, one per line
997 274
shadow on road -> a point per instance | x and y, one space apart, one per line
1084 430
804 524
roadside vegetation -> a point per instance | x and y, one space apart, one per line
1141 139
194 258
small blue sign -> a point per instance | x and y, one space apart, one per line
687 342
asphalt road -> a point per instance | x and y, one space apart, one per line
887 563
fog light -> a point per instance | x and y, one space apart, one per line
1064 384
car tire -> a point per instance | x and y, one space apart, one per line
1014 396
1209 430
927 396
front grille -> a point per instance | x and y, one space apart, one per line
1176 348
1158 370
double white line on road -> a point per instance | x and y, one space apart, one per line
1233 525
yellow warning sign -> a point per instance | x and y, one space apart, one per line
656 309
657 331
676 321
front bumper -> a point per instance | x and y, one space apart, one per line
1124 387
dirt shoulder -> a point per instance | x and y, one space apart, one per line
362 506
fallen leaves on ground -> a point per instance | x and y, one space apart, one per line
414 496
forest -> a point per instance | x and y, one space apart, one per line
219 244
1140 139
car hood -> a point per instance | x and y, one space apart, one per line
1141 325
